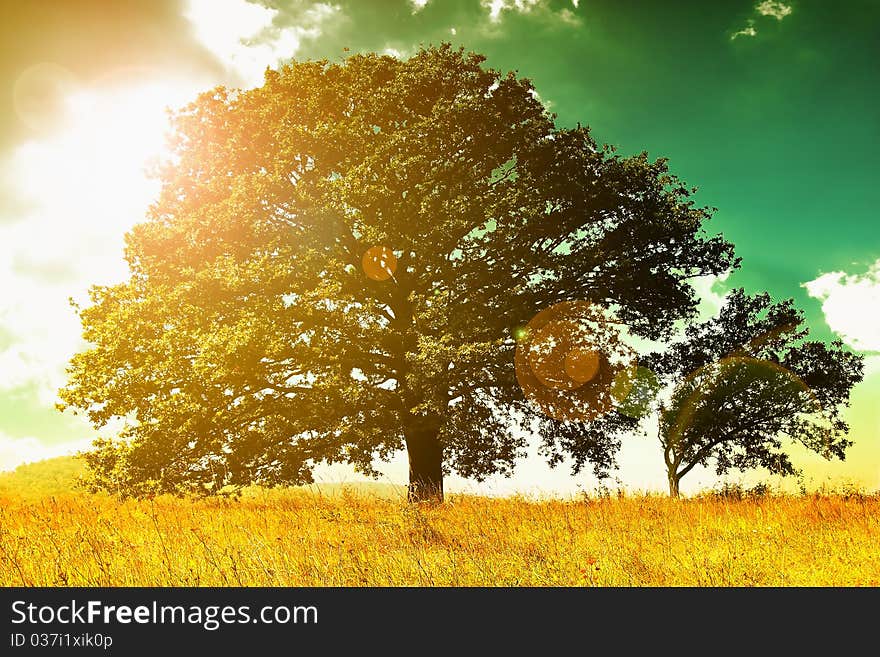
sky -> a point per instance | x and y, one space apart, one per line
770 108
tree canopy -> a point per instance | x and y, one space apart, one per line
746 385
335 267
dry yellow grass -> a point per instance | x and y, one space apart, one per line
296 538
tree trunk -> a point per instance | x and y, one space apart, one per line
425 461
673 483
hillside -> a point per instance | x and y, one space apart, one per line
43 478
59 475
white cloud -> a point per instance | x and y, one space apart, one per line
748 31
418 5
872 368
245 36
711 293
548 104
850 303
16 451
568 16
496 8
777 10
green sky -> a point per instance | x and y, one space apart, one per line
779 130
772 109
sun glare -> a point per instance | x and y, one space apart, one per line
256 40
83 183
81 178
88 182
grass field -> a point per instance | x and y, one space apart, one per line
308 538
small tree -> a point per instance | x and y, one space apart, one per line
336 261
744 381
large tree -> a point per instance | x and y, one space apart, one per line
745 386
336 261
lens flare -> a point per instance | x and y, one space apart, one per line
548 352
379 263
39 93
582 364
635 389
568 358
707 388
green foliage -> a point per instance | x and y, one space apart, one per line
248 344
